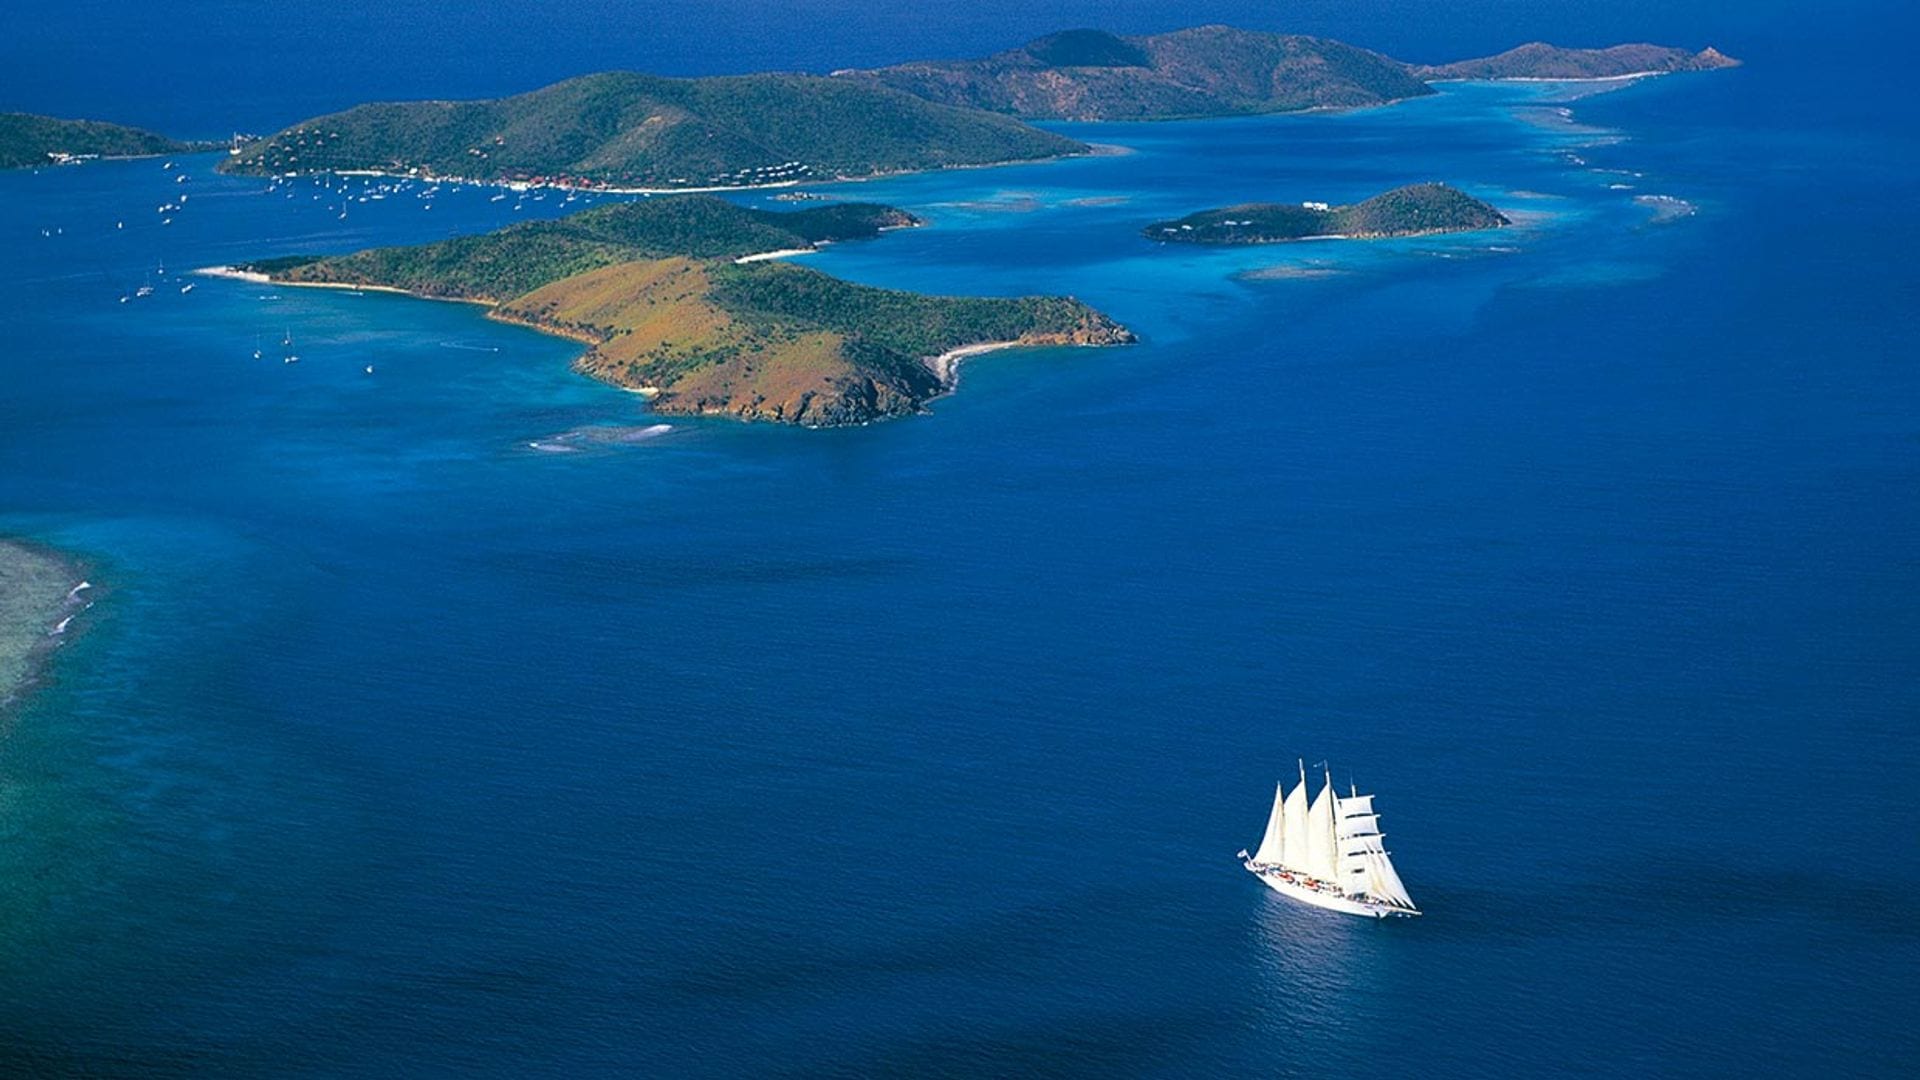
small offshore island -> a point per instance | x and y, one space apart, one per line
27 140
1414 210
1538 60
683 299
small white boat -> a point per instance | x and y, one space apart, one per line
1329 854
187 288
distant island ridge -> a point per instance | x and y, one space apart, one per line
1413 210
628 131
625 131
1539 60
28 140
674 297
1197 72
1224 71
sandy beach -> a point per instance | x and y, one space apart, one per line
946 366
234 273
1560 79
781 254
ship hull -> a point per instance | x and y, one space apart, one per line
1331 901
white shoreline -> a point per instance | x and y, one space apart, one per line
1552 79
946 366
233 273
254 277
607 189
529 185
781 254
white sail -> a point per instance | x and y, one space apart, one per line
1386 881
1357 836
1357 825
1356 875
1294 851
1273 843
1322 860
1356 864
1335 840
1364 866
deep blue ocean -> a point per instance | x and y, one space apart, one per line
395 746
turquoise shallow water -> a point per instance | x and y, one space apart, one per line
403 747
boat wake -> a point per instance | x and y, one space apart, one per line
584 438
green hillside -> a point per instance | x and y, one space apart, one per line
26 139
631 130
500 265
654 290
1538 60
1201 71
1406 211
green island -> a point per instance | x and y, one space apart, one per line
627 131
1538 60
1414 210
1223 71
1196 72
27 139
624 130
674 297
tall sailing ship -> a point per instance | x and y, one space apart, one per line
1329 853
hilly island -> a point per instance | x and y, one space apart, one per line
624 130
27 139
628 130
1200 71
669 298
1224 71
1538 60
1414 210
